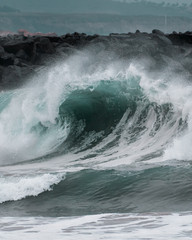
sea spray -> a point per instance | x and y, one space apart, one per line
17 187
108 123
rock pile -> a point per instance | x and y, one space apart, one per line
20 55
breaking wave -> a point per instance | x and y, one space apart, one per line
85 113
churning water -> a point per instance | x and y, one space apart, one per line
98 147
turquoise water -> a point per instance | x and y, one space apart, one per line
107 143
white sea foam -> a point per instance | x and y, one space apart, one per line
35 107
22 122
154 226
174 89
17 187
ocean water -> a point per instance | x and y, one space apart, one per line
98 147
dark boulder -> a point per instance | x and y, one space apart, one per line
22 54
180 39
158 32
44 46
14 76
15 46
7 59
2 50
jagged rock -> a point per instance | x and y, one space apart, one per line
13 76
2 51
15 46
180 39
21 55
44 46
188 33
158 32
7 59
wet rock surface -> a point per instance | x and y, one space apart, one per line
21 56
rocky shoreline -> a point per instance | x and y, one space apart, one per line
21 56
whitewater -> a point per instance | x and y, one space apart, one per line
98 146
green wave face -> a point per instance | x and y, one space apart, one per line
100 108
97 110
108 191
93 135
81 118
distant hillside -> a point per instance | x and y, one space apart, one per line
90 23
8 9
122 7
94 16
165 2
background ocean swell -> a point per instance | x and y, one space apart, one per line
114 127
158 189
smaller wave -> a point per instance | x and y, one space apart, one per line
135 189
14 188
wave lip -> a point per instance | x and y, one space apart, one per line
18 187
